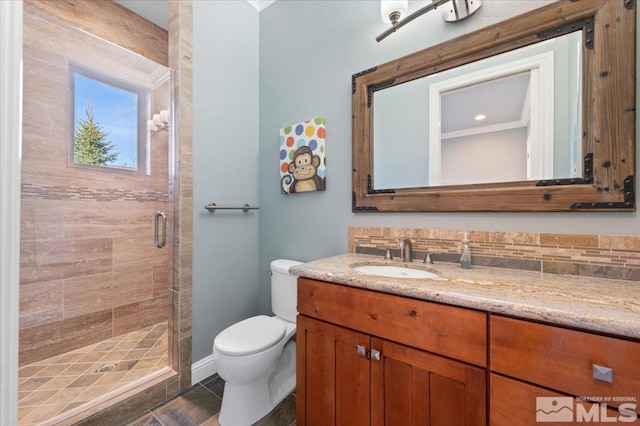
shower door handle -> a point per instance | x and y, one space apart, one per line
160 242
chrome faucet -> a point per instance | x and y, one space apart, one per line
406 251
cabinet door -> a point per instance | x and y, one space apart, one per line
333 383
413 387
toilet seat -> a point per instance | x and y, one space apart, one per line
250 336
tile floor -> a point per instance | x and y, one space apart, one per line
50 388
200 406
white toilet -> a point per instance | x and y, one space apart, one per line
257 357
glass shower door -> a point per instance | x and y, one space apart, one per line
94 275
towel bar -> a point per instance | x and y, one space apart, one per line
245 208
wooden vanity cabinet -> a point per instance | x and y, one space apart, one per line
514 403
530 360
368 358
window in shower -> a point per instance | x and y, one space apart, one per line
108 120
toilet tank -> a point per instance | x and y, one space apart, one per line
284 289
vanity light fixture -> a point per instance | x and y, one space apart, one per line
479 117
452 11
392 10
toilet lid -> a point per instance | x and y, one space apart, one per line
249 336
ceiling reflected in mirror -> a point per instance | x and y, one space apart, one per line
465 110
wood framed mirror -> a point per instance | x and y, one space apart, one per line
593 171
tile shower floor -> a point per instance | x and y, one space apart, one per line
53 386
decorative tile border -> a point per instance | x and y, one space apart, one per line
602 256
82 193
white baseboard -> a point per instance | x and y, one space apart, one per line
202 369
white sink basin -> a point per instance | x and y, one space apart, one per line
394 271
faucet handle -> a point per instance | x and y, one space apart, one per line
428 257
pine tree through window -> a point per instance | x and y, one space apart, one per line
107 121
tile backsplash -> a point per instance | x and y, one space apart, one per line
603 256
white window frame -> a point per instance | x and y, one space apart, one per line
540 140
143 113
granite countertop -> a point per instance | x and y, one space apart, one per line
603 305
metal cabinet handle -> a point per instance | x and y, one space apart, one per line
604 374
160 243
362 351
375 354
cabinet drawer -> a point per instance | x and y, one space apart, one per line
446 330
516 403
564 359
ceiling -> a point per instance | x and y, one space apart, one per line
157 11
260 5
502 101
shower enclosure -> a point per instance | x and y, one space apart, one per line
94 261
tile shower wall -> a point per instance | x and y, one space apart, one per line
122 27
89 268
181 292
603 256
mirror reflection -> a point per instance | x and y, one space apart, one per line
511 117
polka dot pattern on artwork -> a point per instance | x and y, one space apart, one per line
309 133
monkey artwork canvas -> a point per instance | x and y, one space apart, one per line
302 157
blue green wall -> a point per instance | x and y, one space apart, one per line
308 52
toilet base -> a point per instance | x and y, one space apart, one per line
243 405
283 380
